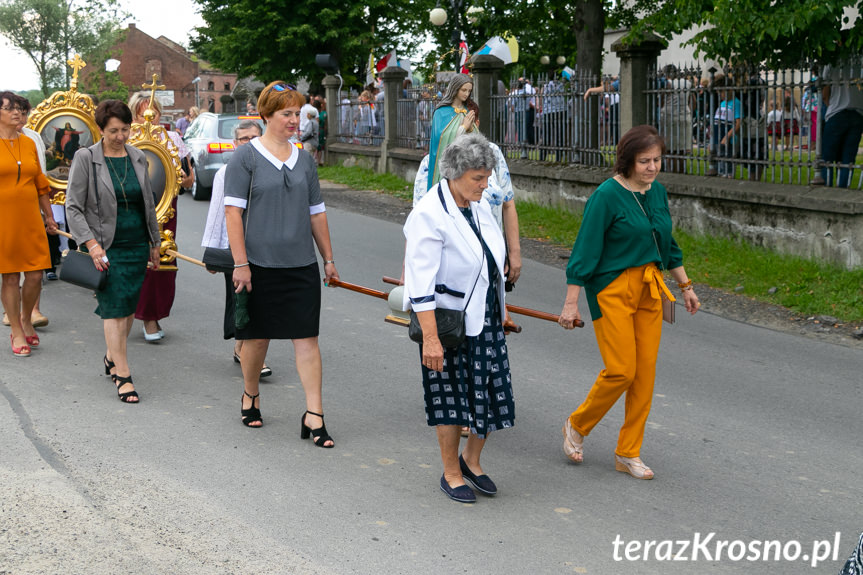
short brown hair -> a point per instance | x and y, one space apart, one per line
108 109
636 141
271 101
24 103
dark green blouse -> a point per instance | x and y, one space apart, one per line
615 235
131 222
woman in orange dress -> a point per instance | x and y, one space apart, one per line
23 245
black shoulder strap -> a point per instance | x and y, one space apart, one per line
440 196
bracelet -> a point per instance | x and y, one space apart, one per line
687 284
240 265
329 262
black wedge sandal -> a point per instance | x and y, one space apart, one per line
119 382
253 414
319 435
109 365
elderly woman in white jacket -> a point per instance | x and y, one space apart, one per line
454 259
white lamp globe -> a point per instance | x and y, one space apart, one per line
437 16
561 60
544 60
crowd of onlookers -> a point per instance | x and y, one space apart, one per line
730 119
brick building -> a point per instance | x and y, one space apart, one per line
141 56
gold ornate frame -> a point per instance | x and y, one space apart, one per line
166 173
76 113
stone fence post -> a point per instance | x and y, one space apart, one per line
486 71
636 60
331 93
393 78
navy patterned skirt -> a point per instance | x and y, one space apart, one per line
474 388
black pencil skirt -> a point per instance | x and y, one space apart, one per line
285 303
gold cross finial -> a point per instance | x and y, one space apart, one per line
152 87
76 64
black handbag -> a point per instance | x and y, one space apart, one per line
450 327
78 268
218 260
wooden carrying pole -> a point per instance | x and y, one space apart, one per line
172 253
358 289
180 256
512 308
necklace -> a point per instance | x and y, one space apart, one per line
119 181
622 181
11 151
643 211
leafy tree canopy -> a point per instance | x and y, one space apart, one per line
776 32
272 40
50 31
542 27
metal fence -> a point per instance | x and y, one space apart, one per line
755 123
360 121
745 123
553 120
414 110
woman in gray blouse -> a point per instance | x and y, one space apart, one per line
275 216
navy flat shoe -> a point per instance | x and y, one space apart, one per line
481 483
462 493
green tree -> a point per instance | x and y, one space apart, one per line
777 32
50 31
572 29
99 82
271 40
35 97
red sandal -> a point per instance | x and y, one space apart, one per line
23 351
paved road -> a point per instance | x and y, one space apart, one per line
754 435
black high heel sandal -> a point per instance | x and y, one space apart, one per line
253 414
119 382
319 435
109 365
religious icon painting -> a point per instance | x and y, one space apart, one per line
66 122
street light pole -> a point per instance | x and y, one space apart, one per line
438 17
196 81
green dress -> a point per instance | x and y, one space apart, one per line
130 251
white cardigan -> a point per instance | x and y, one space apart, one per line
443 257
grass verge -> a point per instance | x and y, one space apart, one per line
365 179
804 286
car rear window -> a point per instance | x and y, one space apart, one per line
227 125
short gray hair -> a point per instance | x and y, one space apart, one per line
245 125
467 152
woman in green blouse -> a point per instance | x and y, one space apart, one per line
111 212
624 241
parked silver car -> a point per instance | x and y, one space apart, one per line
210 140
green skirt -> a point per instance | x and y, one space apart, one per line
128 264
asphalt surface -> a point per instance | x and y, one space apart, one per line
754 435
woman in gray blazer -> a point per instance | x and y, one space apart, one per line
111 212
454 259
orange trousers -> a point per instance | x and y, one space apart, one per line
628 335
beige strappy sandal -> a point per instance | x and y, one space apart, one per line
633 466
573 443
